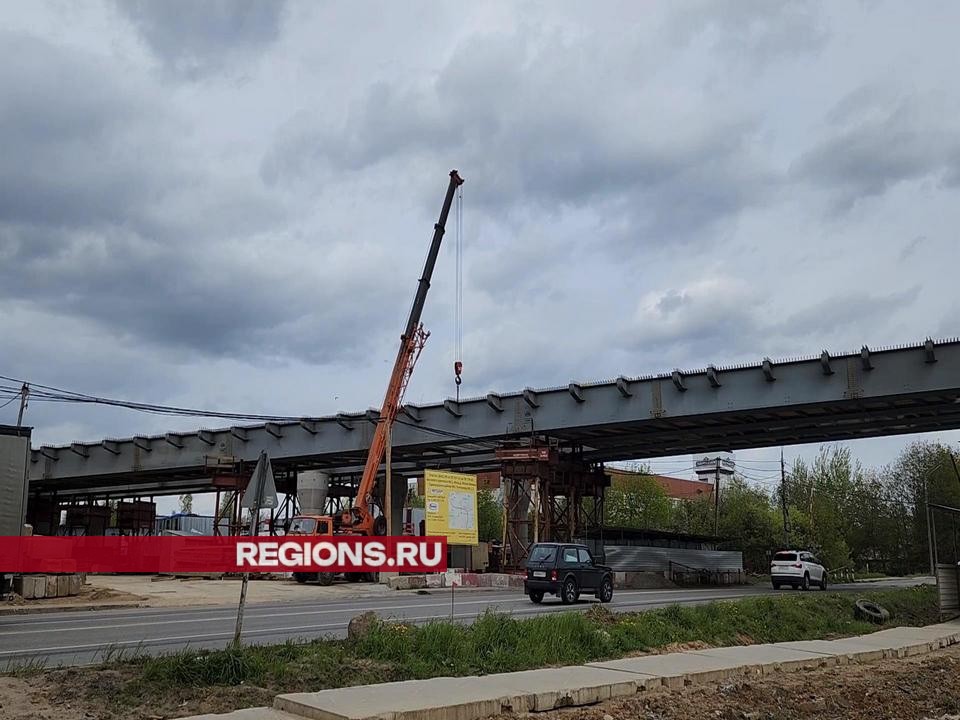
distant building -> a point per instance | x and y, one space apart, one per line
675 488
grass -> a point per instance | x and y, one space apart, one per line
500 643
218 681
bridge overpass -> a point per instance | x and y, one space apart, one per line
869 393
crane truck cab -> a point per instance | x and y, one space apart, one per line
312 526
322 526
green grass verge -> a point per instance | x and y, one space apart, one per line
501 643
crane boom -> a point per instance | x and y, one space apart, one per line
359 519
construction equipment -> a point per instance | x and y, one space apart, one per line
360 519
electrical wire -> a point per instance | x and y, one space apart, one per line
8 402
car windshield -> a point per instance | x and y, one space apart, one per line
785 557
303 525
543 553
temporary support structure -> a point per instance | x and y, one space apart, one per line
550 494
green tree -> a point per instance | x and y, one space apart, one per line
638 502
489 516
413 499
747 521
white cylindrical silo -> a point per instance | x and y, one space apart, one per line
312 487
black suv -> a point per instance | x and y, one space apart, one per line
566 570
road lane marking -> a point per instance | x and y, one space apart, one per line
541 610
150 620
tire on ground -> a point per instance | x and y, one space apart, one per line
871 612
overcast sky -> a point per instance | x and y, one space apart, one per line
227 204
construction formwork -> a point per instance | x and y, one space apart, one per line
550 494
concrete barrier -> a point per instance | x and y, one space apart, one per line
38 587
445 580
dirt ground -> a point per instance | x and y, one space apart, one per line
112 591
91 595
927 686
195 592
910 689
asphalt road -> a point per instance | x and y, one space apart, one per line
79 638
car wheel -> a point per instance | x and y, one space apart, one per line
823 582
569 592
325 578
805 584
605 594
300 577
536 597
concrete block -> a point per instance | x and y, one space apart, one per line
63 585
75 584
553 688
35 586
435 699
407 582
434 580
469 698
846 650
500 581
678 669
260 713
771 658
452 578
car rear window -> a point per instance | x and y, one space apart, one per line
543 553
785 557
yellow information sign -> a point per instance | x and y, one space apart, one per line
450 502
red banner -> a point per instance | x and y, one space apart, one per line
117 554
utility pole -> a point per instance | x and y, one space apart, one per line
716 501
926 503
384 577
783 502
24 393
956 471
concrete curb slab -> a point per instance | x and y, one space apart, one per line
474 698
260 713
771 658
463 698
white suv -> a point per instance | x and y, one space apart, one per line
797 568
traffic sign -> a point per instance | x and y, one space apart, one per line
262 490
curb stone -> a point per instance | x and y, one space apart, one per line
474 698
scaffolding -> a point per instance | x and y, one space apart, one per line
550 494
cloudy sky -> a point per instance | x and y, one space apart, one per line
227 204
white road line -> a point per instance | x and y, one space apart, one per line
75 626
280 630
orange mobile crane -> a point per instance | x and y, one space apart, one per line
359 518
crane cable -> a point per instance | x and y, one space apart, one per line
458 310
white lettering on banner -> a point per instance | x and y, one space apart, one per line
435 560
285 554
406 554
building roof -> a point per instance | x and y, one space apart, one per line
676 488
